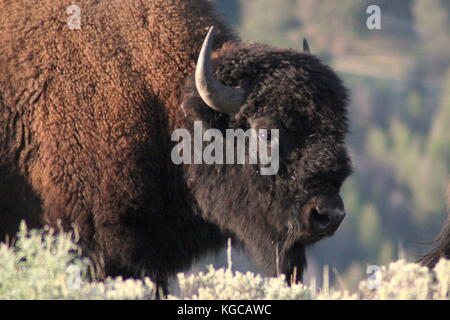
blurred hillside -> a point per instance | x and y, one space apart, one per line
399 78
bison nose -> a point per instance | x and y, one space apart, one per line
326 220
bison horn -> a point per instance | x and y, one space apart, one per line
215 94
306 46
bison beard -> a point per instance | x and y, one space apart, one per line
85 123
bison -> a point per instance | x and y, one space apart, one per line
86 117
442 241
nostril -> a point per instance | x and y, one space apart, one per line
319 219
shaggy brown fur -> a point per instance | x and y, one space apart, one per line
442 249
85 114
86 117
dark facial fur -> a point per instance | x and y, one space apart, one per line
295 93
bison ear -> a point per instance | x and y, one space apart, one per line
306 46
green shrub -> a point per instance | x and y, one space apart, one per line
45 265
42 264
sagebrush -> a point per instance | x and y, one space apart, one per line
41 264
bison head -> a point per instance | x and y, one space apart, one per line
249 85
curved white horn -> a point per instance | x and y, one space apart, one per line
215 94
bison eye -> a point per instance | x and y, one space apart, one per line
265 135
